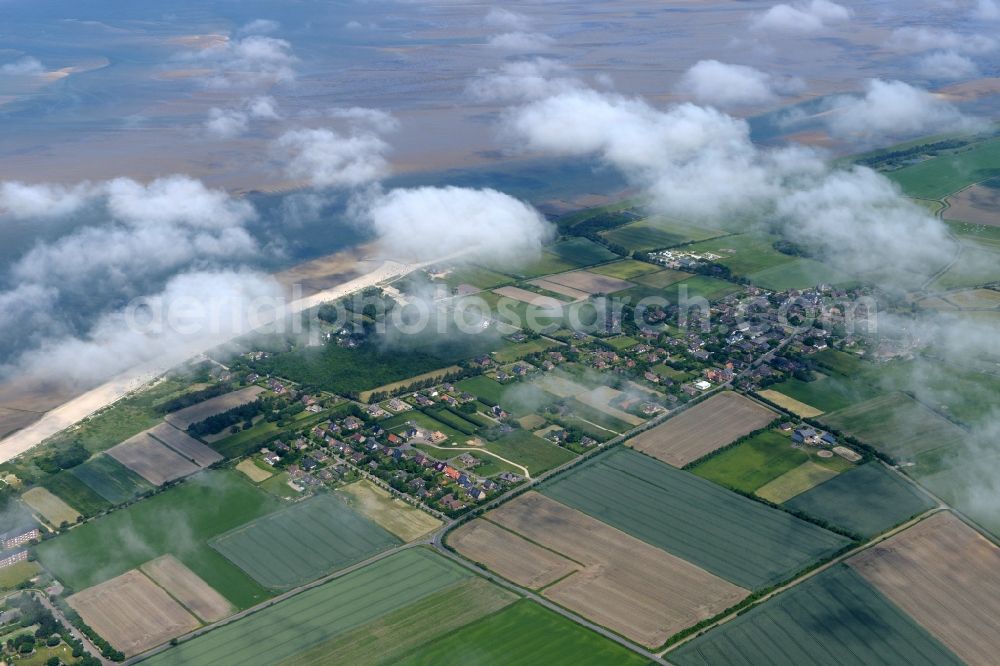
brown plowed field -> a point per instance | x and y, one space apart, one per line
944 574
696 432
513 557
185 445
182 418
151 460
591 283
188 588
132 613
626 585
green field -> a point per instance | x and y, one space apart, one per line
110 479
517 351
750 464
75 492
745 254
841 363
897 425
866 500
657 233
826 393
736 538
620 342
546 264
662 279
477 276
483 387
581 252
799 273
977 265
938 177
396 423
307 540
178 521
321 613
533 452
523 633
833 618
411 627
626 269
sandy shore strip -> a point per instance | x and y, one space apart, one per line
86 404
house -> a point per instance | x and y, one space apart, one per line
357 457
468 460
353 423
309 463
510 477
465 481
451 503
829 439
587 442
702 385
394 440
271 458
476 493
398 405
398 454
802 435
451 472
437 437
376 412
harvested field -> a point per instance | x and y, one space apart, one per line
898 425
795 481
188 588
132 613
832 618
185 445
591 283
866 500
736 538
306 620
151 460
512 556
53 510
395 515
303 542
977 204
626 584
183 418
600 397
709 425
557 288
944 574
253 471
529 297
976 298
789 403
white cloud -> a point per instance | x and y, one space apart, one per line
947 66
250 61
365 118
723 84
433 222
802 17
23 66
498 17
522 80
229 123
917 39
891 111
43 200
521 41
327 158
986 10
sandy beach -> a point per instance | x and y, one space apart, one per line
96 399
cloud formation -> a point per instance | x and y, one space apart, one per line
244 62
918 39
947 66
232 122
727 85
891 111
434 222
521 41
327 158
23 66
986 10
498 17
801 17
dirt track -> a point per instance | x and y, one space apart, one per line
698 431
944 574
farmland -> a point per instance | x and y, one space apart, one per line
735 538
197 510
795 481
152 460
790 404
390 513
533 452
698 431
394 386
484 387
866 500
938 177
657 233
183 418
542 637
943 573
833 618
110 479
581 252
897 425
253 471
132 613
52 509
74 492
510 555
750 464
321 613
625 584
663 279
185 445
184 585
303 542
589 282
626 269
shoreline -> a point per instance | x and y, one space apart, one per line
88 403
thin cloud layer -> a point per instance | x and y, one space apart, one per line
23 66
233 122
947 66
727 85
244 62
918 39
